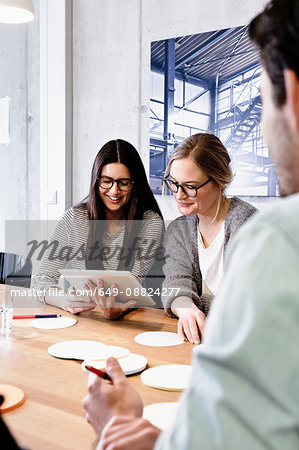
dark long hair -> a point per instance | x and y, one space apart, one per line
142 198
276 32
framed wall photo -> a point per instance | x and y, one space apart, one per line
209 82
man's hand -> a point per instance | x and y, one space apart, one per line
127 433
105 400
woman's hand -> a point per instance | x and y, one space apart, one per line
72 301
75 302
110 308
191 320
105 400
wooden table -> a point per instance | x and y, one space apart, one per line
52 416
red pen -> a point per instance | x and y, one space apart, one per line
36 316
98 372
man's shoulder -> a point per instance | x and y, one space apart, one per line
281 218
284 217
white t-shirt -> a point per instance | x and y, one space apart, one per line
211 262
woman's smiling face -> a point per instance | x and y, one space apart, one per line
185 171
114 199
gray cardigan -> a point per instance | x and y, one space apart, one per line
182 269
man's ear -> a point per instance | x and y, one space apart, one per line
292 98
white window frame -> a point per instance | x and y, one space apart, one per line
55 107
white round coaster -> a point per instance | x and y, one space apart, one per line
76 349
169 377
130 364
83 349
158 339
161 415
115 351
53 323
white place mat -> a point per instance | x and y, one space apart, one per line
53 323
158 339
161 415
169 377
83 349
130 364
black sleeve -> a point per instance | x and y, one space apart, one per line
6 437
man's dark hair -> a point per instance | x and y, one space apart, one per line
276 32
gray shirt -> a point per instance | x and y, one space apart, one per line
182 271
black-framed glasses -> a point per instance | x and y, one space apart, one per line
124 184
188 189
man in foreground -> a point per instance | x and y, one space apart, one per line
244 392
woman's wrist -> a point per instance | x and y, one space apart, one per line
179 303
54 296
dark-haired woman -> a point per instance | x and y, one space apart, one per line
198 174
119 226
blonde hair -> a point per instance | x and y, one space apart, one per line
210 155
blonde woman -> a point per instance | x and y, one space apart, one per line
198 174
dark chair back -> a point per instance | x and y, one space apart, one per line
15 270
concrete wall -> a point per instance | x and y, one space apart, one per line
111 84
13 156
19 159
106 80
111 66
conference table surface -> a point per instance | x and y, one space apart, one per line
52 416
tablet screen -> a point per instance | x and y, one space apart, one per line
128 287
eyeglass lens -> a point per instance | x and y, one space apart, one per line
190 191
124 184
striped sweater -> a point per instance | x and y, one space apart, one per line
71 236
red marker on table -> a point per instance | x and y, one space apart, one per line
98 372
36 316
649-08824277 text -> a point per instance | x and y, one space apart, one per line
128 292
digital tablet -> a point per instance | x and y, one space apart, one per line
128 287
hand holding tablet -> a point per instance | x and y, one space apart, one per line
127 287
72 301
78 301
108 305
